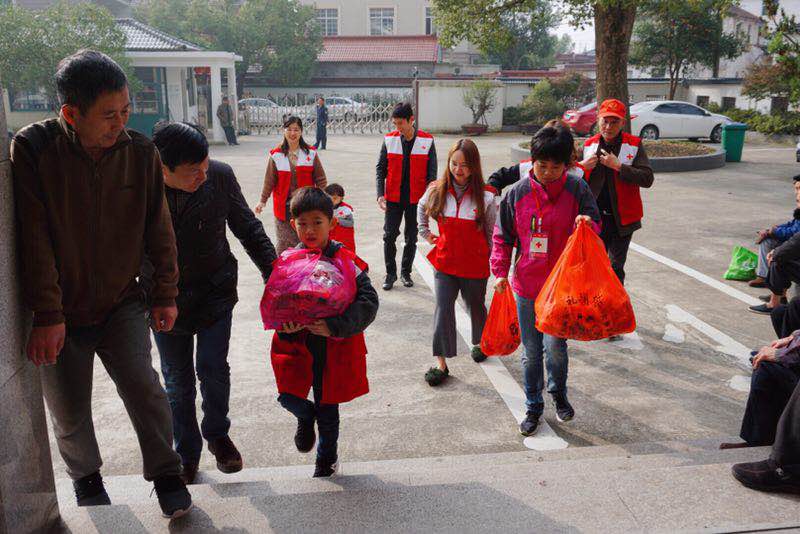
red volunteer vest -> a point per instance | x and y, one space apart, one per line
345 374
418 169
305 177
461 249
345 235
629 198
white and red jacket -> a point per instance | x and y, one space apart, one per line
629 199
462 248
344 231
418 167
304 170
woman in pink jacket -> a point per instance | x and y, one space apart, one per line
537 216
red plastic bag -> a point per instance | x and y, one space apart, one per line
582 298
501 332
305 286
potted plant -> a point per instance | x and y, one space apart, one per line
480 98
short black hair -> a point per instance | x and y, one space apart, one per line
553 143
82 77
403 110
335 189
308 199
180 143
796 177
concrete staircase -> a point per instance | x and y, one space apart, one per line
640 487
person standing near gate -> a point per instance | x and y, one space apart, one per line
226 120
616 168
407 164
322 124
90 202
204 197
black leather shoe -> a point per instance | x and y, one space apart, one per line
406 279
228 458
388 283
89 491
530 424
766 476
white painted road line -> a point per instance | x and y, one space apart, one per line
697 275
726 344
505 385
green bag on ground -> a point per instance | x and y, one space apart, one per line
743 265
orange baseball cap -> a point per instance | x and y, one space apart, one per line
612 108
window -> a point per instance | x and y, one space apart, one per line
728 102
149 99
668 108
190 91
702 101
688 109
430 29
779 104
381 21
329 21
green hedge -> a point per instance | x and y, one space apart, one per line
773 124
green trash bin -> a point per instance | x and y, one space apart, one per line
733 140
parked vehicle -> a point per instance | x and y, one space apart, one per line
582 121
340 107
261 111
671 119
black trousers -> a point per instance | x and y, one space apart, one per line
771 386
786 318
230 134
322 136
616 245
786 449
781 275
395 213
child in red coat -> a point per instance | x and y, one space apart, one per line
344 232
329 354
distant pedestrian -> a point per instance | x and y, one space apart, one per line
322 124
227 120
407 164
292 165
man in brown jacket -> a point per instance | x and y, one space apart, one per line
90 201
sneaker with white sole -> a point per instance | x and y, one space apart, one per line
173 497
564 410
325 469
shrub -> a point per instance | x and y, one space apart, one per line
787 123
542 104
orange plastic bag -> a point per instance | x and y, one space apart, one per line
582 298
501 333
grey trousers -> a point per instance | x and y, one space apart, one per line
123 345
786 449
764 249
473 293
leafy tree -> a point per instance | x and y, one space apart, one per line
481 21
531 46
573 89
779 74
279 36
542 104
480 98
33 42
673 36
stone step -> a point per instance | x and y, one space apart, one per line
652 492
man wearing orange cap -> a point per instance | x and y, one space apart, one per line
616 168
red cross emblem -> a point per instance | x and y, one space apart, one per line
538 244
629 157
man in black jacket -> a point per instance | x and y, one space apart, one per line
203 195
784 268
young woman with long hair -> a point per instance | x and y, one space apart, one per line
292 164
464 210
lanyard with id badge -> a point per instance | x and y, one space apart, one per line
538 247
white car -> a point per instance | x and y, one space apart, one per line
261 111
340 107
671 119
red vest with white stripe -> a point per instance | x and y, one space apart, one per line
345 374
461 249
418 168
346 235
305 177
629 199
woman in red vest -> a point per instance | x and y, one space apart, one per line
292 165
464 210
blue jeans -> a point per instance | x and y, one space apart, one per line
178 368
536 345
326 415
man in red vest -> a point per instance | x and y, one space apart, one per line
616 168
406 166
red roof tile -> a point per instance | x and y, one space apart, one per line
380 49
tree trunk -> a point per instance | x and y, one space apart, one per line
613 26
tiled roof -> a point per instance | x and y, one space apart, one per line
143 38
380 49
739 13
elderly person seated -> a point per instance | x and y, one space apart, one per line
772 238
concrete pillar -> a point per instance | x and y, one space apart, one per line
216 100
27 489
232 93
